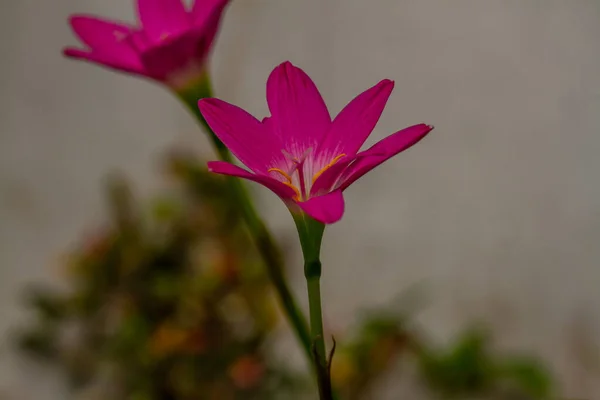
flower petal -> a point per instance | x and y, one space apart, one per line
140 41
225 168
107 40
382 151
267 123
104 59
163 18
204 11
98 33
166 59
209 29
249 140
356 121
329 178
327 209
299 114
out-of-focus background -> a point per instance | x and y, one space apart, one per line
496 214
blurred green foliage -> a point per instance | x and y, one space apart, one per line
172 303
468 367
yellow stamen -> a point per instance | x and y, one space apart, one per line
164 36
331 164
297 198
289 181
282 172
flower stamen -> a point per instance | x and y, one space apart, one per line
301 179
301 187
297 197
282 173
331 164
297 160
288 181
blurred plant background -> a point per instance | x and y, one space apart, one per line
170 302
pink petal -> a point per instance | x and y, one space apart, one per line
204 11
210 28
224 168
140 42
98 33
174 55
329 178
327 209
267 122
382 151
299 114
244 135
107 40
163 18
356 121
103 59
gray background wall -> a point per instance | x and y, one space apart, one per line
498 211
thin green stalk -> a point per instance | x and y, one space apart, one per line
190 96
267 247
316 319
311 234
274 263
316 332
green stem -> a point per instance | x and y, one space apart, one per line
267 247
313 283
316 319
190 96
311 234
274 263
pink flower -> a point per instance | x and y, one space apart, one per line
299 153
171 46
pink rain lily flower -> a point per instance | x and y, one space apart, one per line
299 153
170 46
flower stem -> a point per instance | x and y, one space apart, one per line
316 318
190 96
311 234
274 263
267 247
316 332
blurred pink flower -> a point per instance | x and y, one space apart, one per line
299 152
171 45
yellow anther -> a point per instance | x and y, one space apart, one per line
297 198
282 172
331 164
289 181
164 36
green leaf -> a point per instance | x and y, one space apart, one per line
49 305
528 375
40 343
